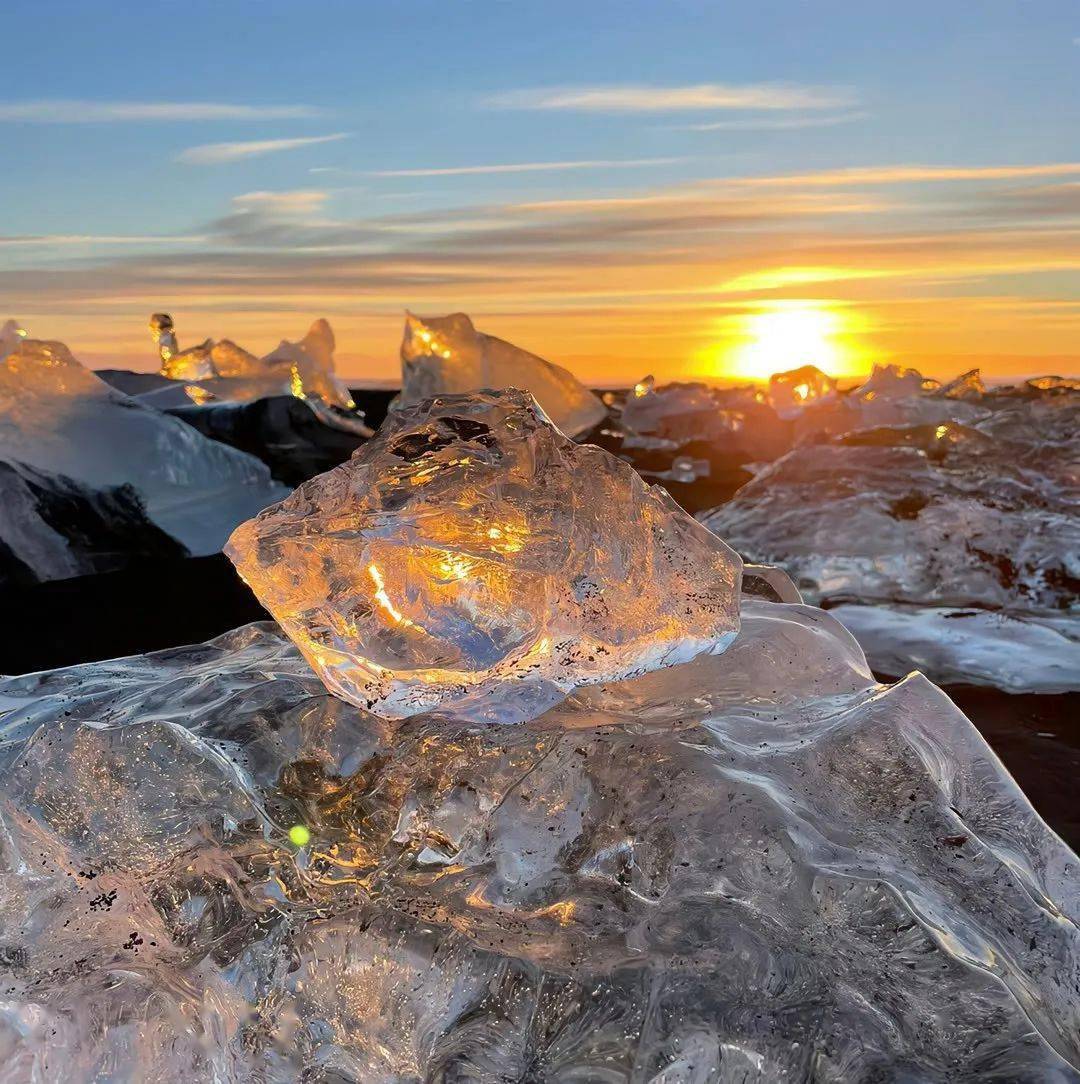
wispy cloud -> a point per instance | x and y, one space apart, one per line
72 111
74 239
640 98
208 154
859 175
775 124
527 167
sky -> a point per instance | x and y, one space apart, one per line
697 190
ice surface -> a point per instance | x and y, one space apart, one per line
1019 654
758 866
224 371
59 418
984 515
52 527
472 559
447 355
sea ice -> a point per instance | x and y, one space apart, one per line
757 866
60 419
893 396
468 559
1013 652
984 515
739 421
447 355
224 371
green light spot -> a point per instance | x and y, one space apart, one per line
299 835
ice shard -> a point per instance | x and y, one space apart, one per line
59 418
447 355
967 385
791 391
224 371
11 334
310 364
471 559
758 866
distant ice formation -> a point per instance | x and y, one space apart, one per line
11 334
757 866
982 514
471 559
447 355
60 419
224 371
729 420
895 396
792 391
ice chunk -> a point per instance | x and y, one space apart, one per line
310 364
737 422
761 864
224 371
967 385
791 391
163 332
466 559
889 523
970 647
11 334
447 355
59 418
673 412
895 396
53 527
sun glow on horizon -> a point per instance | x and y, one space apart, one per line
785 335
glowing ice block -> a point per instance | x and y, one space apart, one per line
473 559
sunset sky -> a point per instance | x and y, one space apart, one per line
691 189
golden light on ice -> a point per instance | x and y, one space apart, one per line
786 335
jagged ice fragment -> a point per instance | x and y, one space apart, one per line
472 559
447 355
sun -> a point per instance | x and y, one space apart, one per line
787 335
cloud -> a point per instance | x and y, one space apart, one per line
70 111
527 167
631 98
1031 201
838 178
215 153
774 124
71 239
